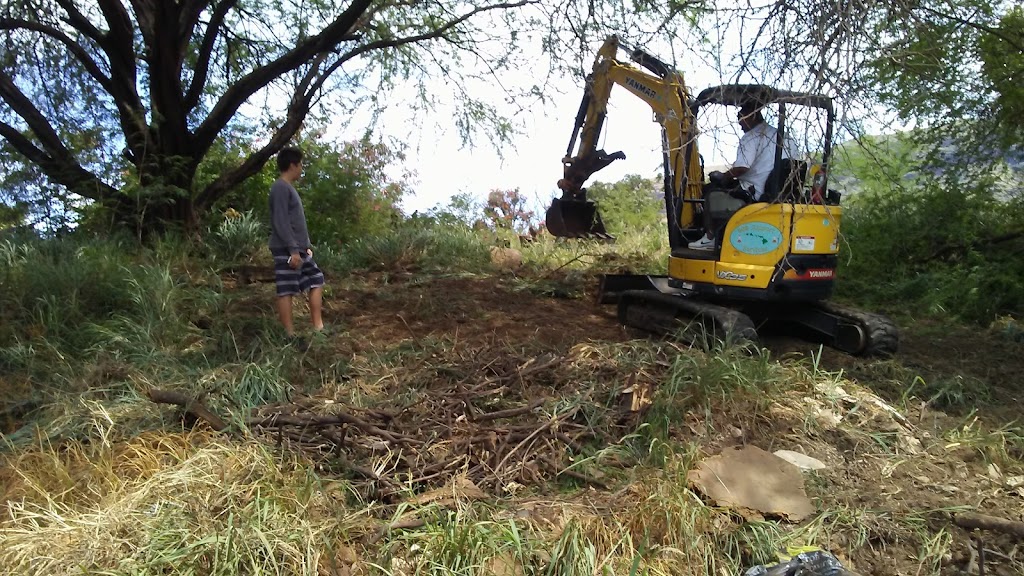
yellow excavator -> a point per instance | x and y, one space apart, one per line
773 261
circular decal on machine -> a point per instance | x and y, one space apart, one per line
755 238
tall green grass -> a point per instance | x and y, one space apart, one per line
238 237
410 248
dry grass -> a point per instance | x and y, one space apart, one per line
169 504
109 484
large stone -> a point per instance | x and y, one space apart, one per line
748 478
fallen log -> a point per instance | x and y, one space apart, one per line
191 406
973 521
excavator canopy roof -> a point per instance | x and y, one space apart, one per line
759 94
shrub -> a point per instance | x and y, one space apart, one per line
239 235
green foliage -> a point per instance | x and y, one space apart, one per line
927 68
629 205
52 287
1002 56
73 298
463 209
250 195
349 190
239 236
932 230
12 216
944 62
28 198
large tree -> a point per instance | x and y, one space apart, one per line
120 102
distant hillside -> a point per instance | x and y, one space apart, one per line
890 159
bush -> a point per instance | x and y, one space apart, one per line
349 190
411 246
239 236
938 239
632 204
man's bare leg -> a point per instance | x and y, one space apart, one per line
284 313
316 302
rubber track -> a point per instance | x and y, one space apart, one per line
882 335
665 314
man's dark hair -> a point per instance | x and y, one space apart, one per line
288 156
752 111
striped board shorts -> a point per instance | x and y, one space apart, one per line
291 281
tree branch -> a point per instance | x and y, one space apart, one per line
202 68
145 10
192 406
79 21
120 22
191 10
254 163
326 40
68 174
28 112
948 251
240 91
433 34
983 522
76 49
118 44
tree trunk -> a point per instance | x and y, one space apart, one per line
162 200
149 214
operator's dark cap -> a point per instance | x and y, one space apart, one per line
749 108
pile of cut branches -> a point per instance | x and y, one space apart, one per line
450 429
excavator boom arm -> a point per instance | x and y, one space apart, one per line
664 90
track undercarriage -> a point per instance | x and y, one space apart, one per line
650 303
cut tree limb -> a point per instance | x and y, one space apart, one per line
972 521
398 525
330 420
508 413
191 406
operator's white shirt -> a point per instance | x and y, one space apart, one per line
757 153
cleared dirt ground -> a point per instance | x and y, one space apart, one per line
908 470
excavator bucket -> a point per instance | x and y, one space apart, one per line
576 219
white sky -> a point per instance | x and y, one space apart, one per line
533 163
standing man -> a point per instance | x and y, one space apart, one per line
295 271
755 160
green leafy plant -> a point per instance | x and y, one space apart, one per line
238 236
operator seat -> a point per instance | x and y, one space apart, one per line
786 181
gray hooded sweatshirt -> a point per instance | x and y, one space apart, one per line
287 219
